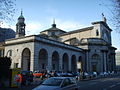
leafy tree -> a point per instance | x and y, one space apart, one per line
7 10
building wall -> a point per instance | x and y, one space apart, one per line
118 60
16 53
95 50
14 49
103 33
78 35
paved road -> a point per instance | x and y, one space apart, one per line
110 83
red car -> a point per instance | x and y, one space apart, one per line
38 74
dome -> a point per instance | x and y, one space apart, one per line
21 16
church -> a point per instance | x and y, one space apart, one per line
87 49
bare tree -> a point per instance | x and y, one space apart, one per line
116 17
7 10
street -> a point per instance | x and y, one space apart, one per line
109 83
104 83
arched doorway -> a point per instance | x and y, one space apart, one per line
73 63
43 59
25 64
79 64
55 61
65 65
95 64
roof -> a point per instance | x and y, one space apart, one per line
76 31
21 16
70 39
38 38
53 28
102 22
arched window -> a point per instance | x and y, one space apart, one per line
25 63
74 63
43 59
9 53
97 32
55 61
95 57
65 65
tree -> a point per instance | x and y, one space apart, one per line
5 63
116 16
7 10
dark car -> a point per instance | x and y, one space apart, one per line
27 76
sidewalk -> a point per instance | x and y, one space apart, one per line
99 76
34 84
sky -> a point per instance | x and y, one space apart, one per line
68 14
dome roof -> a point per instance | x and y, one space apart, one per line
54 28
21 16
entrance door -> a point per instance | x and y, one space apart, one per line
94 69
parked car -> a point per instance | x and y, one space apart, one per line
27 77
59 74
94 74
67 74
86 75
58 83
90 75
38 74
77 75
104 74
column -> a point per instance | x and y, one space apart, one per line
34 61
20 60
60 62
105 66
102 62
49 66
113 62
70 62
87 61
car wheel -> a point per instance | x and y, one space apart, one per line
76 88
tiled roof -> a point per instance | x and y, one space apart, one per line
76 31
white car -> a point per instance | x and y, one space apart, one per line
58 83
103 74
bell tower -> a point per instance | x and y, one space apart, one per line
20 26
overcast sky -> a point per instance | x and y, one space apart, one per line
68 14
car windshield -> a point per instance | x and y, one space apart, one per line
52 82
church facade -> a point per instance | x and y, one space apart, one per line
88 49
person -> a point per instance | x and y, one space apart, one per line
18 79
24 78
